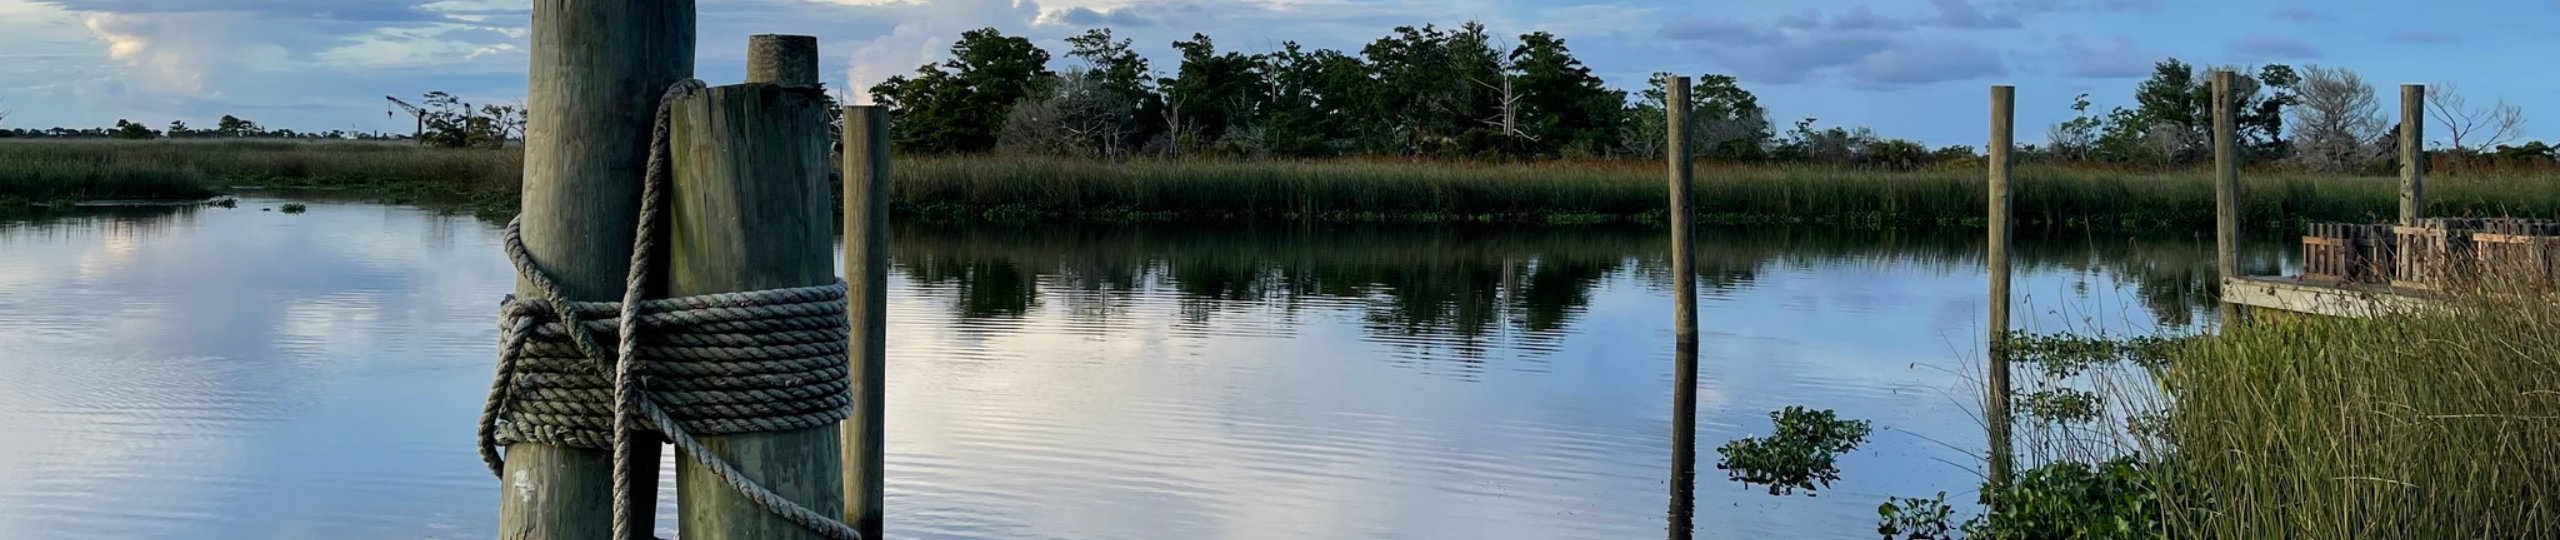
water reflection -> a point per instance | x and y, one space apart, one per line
1467 290
317 375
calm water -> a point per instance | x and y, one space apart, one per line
233 373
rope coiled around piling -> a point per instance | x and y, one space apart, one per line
714 364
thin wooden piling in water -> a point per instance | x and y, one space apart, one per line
2413 153
866 268
1684 425
749 211
1676 118
1996 391
2226 193
2226 180
597 71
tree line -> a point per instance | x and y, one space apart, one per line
445 121
1465 93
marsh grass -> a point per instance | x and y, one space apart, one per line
2443 423
46 170
1354 190
2437 423
1023 188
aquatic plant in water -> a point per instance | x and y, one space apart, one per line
1799 455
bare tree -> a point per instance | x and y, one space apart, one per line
2468 129
2335 119
1078 117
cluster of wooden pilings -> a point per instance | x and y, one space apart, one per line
748 166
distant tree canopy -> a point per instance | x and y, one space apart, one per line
1465 92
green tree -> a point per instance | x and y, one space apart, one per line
1428 87
1316 99
132 131
1726 120
1120 72
961 104
2176 109
1557 104
233 126
1213 94
178 129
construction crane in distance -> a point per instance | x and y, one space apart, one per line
420 136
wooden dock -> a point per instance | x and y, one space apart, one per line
2320 296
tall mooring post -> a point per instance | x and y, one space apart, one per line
749 211
1995 399
597 71
866 269
2226 180
1684 395
2413 153
2226 192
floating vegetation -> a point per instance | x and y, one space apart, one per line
2120 498
294 208
2066 355
1799 456
225 202
2060 405
1915 518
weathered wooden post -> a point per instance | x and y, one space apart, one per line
1684 395
2226 180
2413 153
2226 193
1683 284
749 211
1685 312
866 269
597 71
1995 402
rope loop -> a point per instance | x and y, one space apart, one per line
713 364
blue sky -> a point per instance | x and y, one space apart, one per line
1908 68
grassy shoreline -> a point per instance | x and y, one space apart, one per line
1030 189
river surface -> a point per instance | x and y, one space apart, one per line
239 373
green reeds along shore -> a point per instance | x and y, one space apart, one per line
2437 423
2442 424
46 171
1020 188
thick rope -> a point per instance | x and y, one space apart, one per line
744 362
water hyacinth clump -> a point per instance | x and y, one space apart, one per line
1801 455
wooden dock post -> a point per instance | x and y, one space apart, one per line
1683 283
2413 153
1996 394
749 211
2226 180
597 71
866 269
1684 290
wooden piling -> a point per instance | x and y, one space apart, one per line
787 60
866 268
2226 193
749 211
597 71
1684 425
2226 180
2413 153
1996 394
1683 277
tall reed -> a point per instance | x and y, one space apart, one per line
2444 423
